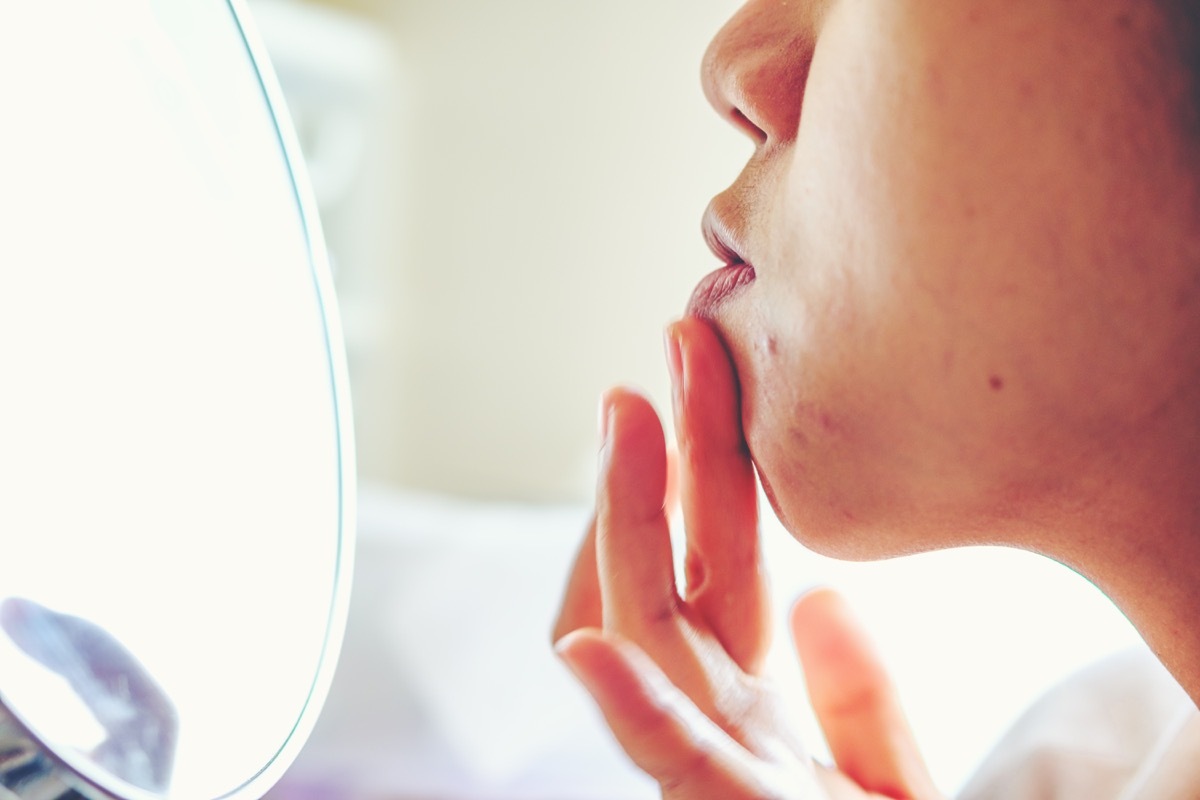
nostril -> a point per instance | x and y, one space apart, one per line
755 71
747 126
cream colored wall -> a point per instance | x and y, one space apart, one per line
552 160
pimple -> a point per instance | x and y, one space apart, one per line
768 345
996 382
815 422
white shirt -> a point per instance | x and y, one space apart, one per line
1121 730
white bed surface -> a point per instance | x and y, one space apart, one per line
448 688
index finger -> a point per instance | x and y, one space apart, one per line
725 580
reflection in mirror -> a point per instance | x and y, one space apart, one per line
138 718
176 460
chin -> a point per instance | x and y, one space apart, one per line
836 523
806 512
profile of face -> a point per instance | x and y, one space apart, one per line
972 234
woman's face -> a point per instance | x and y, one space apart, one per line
971 288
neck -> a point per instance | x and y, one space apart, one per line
1160 594
1139 542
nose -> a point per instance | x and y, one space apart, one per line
755 70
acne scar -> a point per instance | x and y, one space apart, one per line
996 382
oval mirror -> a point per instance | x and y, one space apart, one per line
175 456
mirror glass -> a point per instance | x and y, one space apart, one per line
174 452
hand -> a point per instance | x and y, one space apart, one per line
678 675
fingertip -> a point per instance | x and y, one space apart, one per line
816 601
616 673
620 399
824 627
620 394
572 646
632 410
692 327
579 650
633 472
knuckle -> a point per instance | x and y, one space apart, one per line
666 613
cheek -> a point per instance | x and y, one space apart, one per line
929 344
876 396
858 460
803 422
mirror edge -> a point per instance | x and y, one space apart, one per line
322 276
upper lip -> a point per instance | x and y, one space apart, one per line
721 236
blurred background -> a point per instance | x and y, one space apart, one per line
511 193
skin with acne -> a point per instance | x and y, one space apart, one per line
940 220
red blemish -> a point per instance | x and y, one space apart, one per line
996 382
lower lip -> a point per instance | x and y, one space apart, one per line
717 287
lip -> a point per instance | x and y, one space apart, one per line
725 238
718 286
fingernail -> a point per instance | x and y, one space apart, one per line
602 419
565 650
570 659
563 643
607 410
674 348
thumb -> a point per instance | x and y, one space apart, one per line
855 702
